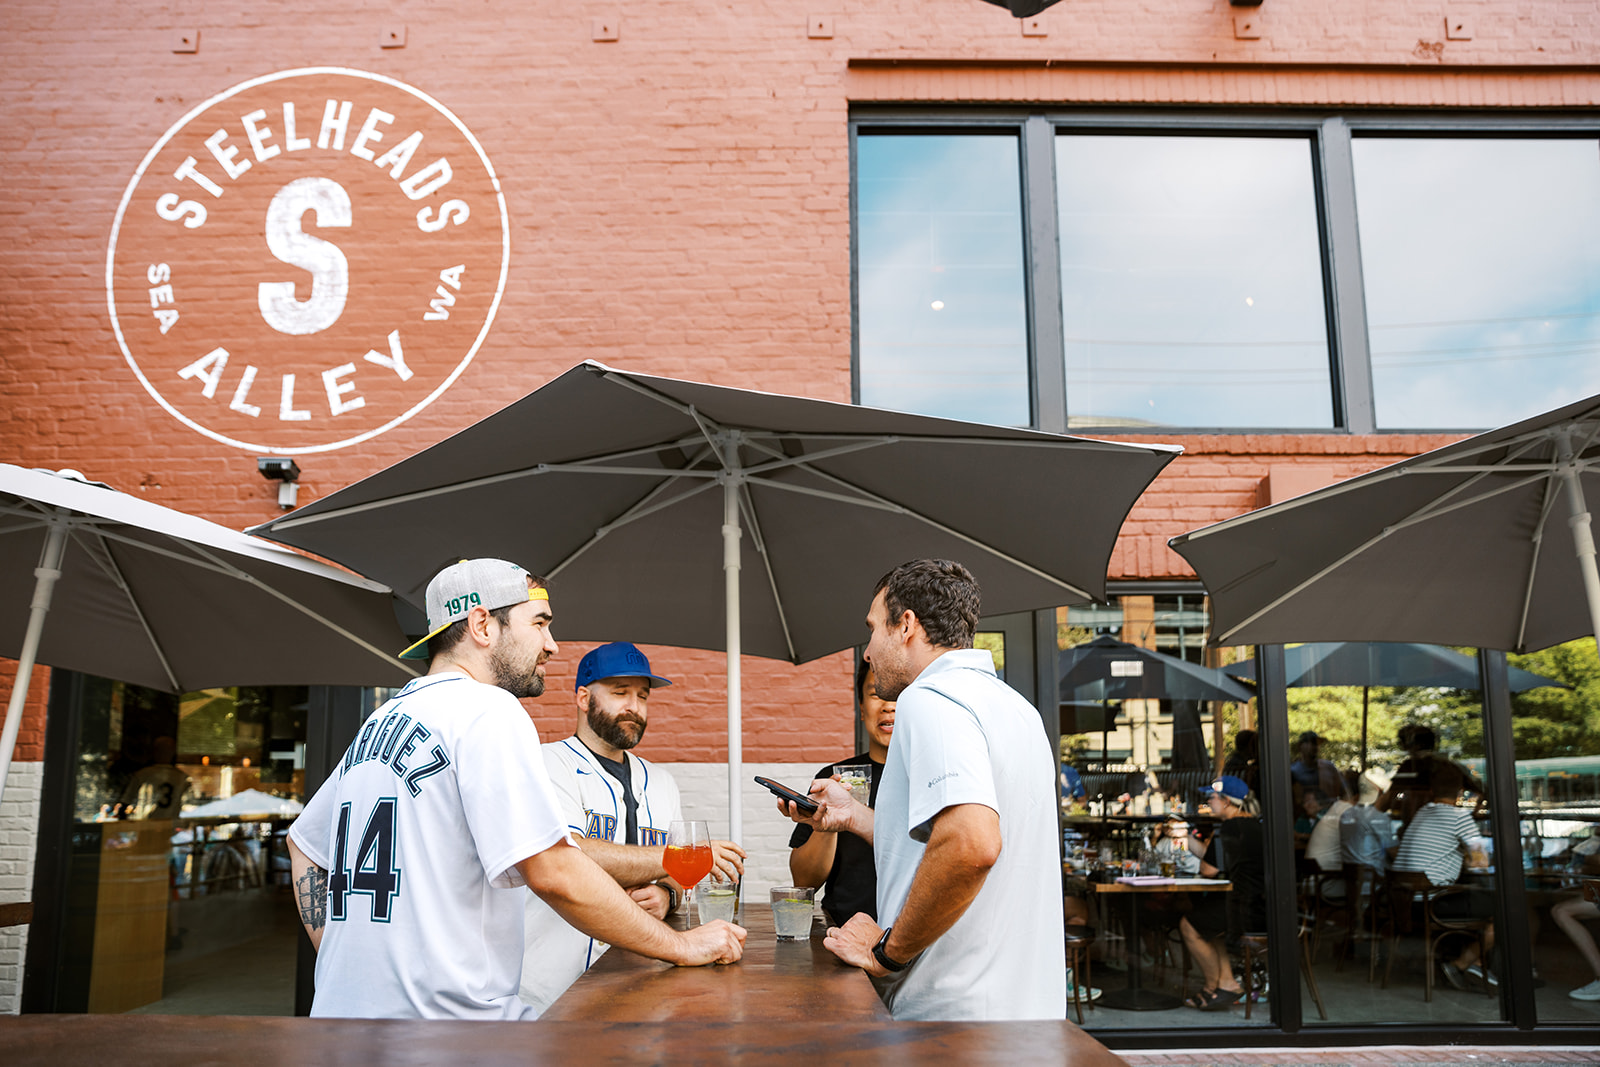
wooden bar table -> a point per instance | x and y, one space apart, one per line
253 1041
782 1004
798 981
1135 997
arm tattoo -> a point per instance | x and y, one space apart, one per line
311 896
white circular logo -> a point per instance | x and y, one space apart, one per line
307 260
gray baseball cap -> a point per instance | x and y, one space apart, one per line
472 583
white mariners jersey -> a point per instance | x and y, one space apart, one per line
592 801
420 827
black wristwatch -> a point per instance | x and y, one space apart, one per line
672 897
883 959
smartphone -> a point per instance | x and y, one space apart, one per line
806 804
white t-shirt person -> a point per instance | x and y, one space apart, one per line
962 736
592 802
425 904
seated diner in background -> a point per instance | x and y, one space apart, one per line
1366 835
1572 913
1439 835
1412 785
1236 851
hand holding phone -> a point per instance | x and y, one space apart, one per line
806 805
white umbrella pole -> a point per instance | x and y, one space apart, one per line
44 587
1582 534
730 586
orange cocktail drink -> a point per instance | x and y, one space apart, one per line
687 864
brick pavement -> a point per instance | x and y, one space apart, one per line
1421 1056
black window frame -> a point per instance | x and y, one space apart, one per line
1330 133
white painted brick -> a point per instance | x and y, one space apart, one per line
766 833
19 831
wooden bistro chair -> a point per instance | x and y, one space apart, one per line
1080 939
1405 889
1255 948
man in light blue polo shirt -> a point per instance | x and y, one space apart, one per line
964 833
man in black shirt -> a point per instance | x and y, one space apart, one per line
841 862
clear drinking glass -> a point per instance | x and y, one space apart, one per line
718 900
791 911
856 777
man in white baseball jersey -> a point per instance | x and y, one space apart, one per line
410 860
618 809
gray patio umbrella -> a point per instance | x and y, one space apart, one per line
1370 663
1458 546
641 496
1385 663
145 594
1106 669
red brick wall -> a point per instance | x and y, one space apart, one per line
678 202
30 739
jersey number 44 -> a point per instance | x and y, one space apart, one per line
375 872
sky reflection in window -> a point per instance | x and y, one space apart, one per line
1481 263
1191 274
942 319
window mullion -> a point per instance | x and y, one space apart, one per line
1045 351
1352 358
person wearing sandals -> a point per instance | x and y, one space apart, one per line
1236 851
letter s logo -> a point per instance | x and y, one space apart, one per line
330 271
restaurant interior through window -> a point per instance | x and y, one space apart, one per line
171 891
1397 889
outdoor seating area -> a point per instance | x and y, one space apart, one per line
510 512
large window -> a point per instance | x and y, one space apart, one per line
1482 264
1191 282
943 327
1198 271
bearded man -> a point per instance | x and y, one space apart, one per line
618 808
410 861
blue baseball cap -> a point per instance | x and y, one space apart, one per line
616 660
1229 786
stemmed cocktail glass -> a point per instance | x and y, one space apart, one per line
688 855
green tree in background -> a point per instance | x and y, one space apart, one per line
1545 722
1559 722
1334 712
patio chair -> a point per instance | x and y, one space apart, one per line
1080 939
1405 890
1255 947
1362 900
1331 906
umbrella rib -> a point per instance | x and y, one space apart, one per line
1053 441
24 527
145 546
1338 489
1550 496
1421 515
677 405
636 511
587 466
250 579
868 499
748 506
1530 438
809 458
108 564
